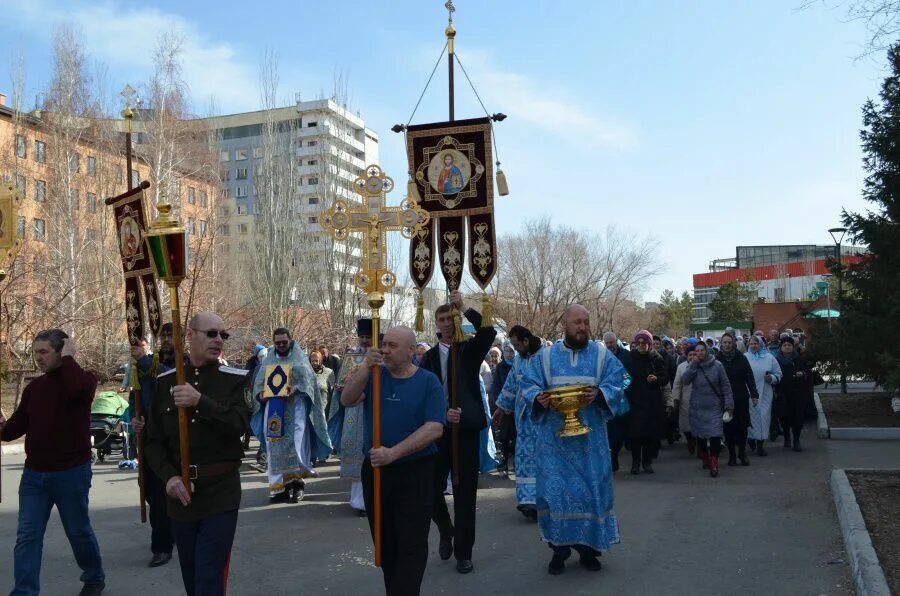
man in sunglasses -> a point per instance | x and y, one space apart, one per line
295 428
216 397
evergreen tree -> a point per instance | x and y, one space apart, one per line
733 302
870 315
675 314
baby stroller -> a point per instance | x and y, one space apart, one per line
108 434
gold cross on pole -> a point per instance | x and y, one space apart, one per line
373 219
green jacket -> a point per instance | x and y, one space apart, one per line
216 427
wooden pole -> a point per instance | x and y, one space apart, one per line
376 440
178 339
2 277
450 32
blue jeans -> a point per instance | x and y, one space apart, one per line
38 493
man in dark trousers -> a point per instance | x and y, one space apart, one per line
470 418
412 419
55 417
149 367
204 516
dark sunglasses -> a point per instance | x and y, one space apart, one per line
213 333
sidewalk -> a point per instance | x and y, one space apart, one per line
767 529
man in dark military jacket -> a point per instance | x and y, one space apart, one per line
204 518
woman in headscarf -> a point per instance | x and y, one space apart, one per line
766 373
647 419
791 391
681 393
743 390
710 399
504 427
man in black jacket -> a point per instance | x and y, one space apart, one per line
470 419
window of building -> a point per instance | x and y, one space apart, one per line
202 228
243 228
203 200
257 153
135 178
40 230
21 184
779 293
241 154
92 165
73 195
119 174
91 202
312 162
226 192
224 174
191 226
242 210
20 227
224 156
312 180
192 195
312 143
255 190
40 152
40 191
240 191
241 174
75 163
312 124
177 189
224 211
21 150
313 219
313 200
223 230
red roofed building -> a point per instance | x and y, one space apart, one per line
785 273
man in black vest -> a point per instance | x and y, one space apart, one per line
470 418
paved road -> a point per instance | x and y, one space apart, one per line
766 529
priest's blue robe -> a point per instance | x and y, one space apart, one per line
511 400
573 488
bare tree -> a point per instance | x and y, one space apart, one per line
880 17
544 268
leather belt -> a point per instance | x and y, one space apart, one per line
218 469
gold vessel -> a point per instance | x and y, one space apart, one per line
568 401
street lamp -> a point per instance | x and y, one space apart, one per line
837 234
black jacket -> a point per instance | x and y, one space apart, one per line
647 417
743 386
471 353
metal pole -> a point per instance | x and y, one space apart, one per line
840 300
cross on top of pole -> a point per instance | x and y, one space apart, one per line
373 219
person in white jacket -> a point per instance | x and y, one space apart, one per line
766 373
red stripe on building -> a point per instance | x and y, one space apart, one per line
718 278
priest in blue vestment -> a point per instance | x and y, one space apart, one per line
574 494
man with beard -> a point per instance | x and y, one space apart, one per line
574 479
511 402
469 417
215 397
149 366
295 428
345 424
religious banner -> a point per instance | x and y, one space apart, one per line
9 203
141 291
452 168
276 388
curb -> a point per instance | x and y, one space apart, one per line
822 422
864 433
14 449
868 576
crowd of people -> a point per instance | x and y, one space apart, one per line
450 412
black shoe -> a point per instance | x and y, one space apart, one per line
635 469
91 589
160 559
732 461
760 450
557 564
752 443
529 511
615 464
648 469
445 549
591 563
464 566
797 446
361 513
281 497
744 460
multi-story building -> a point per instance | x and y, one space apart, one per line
781 273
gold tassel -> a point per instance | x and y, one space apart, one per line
502 187
487 319
412 192
458 335
420 314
